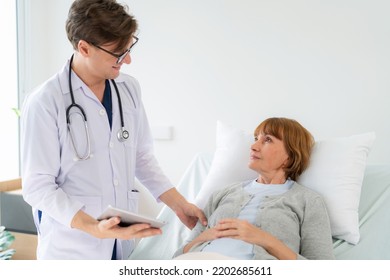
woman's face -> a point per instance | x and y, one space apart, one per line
268 156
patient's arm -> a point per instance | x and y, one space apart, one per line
207 235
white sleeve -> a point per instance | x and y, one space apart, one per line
40 157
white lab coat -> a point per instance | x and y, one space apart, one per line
59 185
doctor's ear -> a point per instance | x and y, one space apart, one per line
84 48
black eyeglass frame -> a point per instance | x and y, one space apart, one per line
120 57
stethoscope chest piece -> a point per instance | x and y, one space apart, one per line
123 134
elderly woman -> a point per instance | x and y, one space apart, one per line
271 216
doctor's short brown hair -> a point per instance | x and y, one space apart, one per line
297 141
99 22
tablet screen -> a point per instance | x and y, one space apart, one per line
129 218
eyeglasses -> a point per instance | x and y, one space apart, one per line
120 57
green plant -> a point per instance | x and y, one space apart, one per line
6 239
17 111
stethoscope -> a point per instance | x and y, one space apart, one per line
122 135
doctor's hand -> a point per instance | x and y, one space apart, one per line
188 213
110 228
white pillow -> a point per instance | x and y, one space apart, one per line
336 172
230 161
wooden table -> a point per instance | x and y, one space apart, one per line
25 246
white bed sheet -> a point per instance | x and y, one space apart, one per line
374 218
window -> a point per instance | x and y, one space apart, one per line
9 122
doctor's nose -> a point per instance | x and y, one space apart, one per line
127 58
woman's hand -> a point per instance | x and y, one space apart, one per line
245 231
241 229
231 228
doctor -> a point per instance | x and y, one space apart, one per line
85 138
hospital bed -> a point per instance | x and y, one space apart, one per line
374 216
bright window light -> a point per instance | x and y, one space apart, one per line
9 122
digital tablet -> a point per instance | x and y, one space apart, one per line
129 218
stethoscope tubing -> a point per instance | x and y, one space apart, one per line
123 134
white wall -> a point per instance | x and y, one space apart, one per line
324 63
